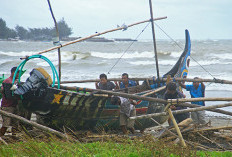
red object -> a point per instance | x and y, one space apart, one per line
8 102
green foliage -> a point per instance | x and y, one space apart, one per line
214 154
35 33
6 32
113 147
64 30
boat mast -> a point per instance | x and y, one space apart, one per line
57 41
154 41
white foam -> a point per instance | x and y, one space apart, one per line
222 56
209 62
144 54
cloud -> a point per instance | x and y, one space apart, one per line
205 19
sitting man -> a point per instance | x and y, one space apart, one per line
127 109
104 84
172 93
126 82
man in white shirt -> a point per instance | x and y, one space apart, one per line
127 109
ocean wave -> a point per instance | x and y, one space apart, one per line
17 54
53 55
161 62
222 56
145 54
208 62
128 55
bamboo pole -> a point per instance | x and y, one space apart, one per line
199 99
58 37
176 127
151 78
174 120
182 111
212 110
155 91
97 34
39 126
126 95
154 41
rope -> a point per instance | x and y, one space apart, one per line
128 48
182 49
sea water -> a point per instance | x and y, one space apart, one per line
87 60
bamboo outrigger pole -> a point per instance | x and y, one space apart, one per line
154 41
58 38
97 34
212 110
182 111
199 99
155 79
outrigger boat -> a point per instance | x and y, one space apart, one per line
56 107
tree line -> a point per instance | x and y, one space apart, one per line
34 33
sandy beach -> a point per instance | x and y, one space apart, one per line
220 120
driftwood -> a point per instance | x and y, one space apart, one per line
188 142
214 129
182 111
39 126
97 34
211 141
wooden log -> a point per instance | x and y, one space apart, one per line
213 129
182 111
39 126
185 122
96 34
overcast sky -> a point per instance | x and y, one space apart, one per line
205 19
